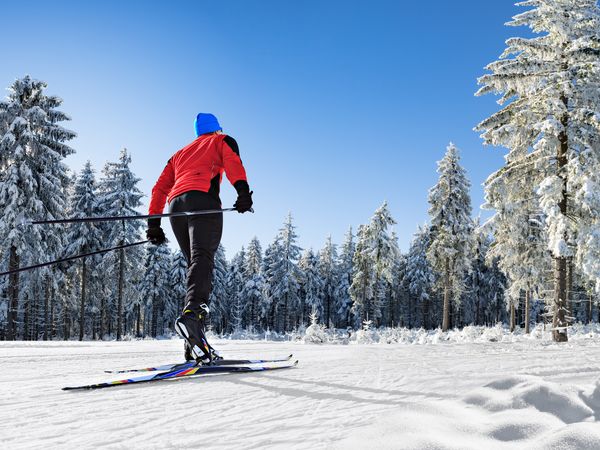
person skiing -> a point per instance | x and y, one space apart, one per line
190 182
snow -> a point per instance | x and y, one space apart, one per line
528 393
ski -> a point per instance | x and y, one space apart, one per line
174 374
188 364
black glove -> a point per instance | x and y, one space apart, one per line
155 233
244 200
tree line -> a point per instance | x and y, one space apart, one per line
536 259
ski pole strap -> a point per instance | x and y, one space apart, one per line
134 217
70 258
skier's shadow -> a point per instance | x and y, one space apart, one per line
320 395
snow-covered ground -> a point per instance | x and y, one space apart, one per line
474 395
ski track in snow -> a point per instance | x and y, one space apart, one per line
442 396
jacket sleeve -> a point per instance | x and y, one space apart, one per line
234 169
161 190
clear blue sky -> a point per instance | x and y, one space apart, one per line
336 105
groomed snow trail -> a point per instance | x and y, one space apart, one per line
455 396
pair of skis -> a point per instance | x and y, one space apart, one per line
190 368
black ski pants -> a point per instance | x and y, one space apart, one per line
198 238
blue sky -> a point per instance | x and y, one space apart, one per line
336 105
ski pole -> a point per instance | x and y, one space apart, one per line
70 258
116 218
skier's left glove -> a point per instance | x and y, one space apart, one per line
244 199
155 233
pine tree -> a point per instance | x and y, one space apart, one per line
311 287
120 196
419 275
549 124
253 289
451 230
330 277
84 238
235 285
154 289
178 281
343 301
373 261
283 274
363 276
33 183
219 296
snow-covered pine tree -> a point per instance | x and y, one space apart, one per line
311 286
154 289
391 282
84 238
283 274
451 229
219 297
330 277
33 183
178 282
120 196
520 240
235 285
375 254
549 124
419 275
363 276
343 301
253 289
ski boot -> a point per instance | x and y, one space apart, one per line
190 326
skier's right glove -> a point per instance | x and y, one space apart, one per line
155 233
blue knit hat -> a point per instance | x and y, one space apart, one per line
206 123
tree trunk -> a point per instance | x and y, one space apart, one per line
82 305
120 294
559 322
512 317
138 320
153 327
447 292
570 299
589 308
13 294
26 317
46 308
102 316
426 314
52 318
285 314
527 310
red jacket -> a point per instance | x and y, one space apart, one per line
199 166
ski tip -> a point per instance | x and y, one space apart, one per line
296 363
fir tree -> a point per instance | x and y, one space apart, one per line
33 182
419 275
154 289
373 261
330 277
235 285
253 289
120 196
219 296
549 124
451 228
84 238
283 274
343 301
178 281
311 286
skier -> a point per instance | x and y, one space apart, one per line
190 182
